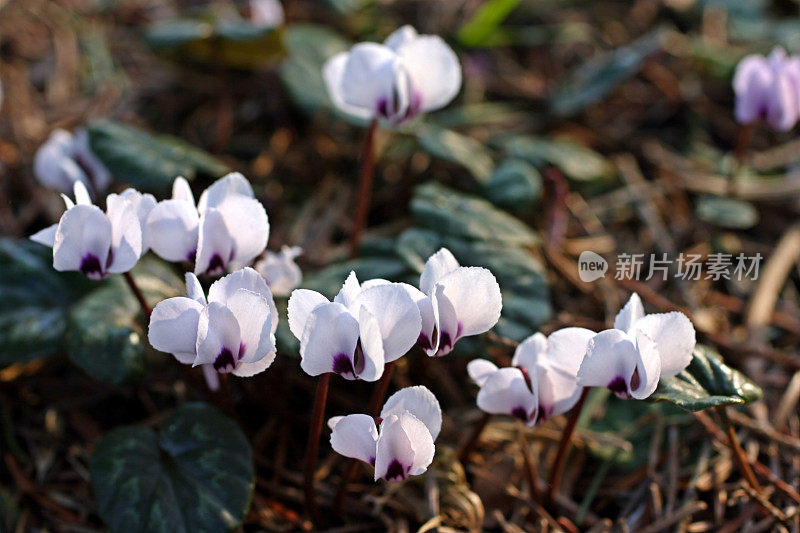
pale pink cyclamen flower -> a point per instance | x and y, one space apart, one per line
233 331
94 242
542 382
227 228
631 358
407 75
402 444
454 302
280 270
768 89
266 13
65 159
365 326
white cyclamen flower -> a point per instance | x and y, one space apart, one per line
281 272
65 159
266 13
233 331
409 424
227 229
365 327
407 75
543 381
454 302
94 242
632 357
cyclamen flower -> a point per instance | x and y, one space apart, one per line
94 242
631 358
403 446
365 327
65 159
233 331
407 75
454 302
227 229
266 13
768 89
543 381
281 272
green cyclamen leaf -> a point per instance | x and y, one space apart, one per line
194 475
147 161
457 148
706 382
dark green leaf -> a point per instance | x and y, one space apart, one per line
34 300
706 382
599 76
106 335
727 212
194 475
461 215
479 29
457 148
576 161
146 161
514 183
231 43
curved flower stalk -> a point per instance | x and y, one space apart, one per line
454 302
407 75
231 331
355 335
768 89
543 381
266 13
227 229
631 358
402 444
65 159
280 270
94 242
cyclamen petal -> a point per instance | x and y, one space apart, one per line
65 159
354 436
506 392
405 448
768 89
266 13
395 81
280 270
420 402
173 327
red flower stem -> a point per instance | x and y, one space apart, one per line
138 294
312 447
557 472
364 191
530 467
738 453
473 439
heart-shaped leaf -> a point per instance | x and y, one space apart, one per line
194 475
576 161
595 79
146 161
457 148
106 334
514 183
706 382
461 215
34 303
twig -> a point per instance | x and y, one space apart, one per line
364 192
557 472
663 523
743 137
312 447
738 452
138 294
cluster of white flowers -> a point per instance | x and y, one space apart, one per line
548 374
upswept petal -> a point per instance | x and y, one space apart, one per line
126 234
531 352
214 244
332 73
301 304
172 230
194 290
82 241
245 278
369 358
479 370
566 348
46 236
506 392
218 338
81 193
404 447
674 336
434 70
631 313
354 436
182 191
173 327
648 368
610 361
253 314
248 227
349 291
370 77
436 267
420 402
400 36
232 184
329 341
397 315
475 296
